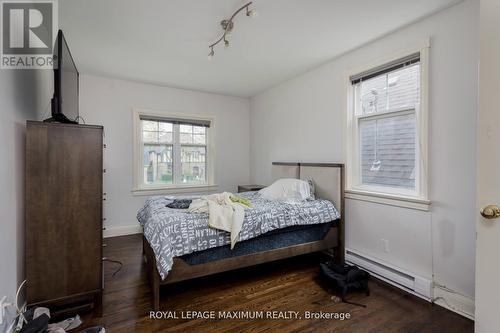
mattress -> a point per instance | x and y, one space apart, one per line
272 240
174 232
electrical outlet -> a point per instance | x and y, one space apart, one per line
385 245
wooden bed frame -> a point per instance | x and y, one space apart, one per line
334 239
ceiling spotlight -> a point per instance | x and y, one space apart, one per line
228 25
251 13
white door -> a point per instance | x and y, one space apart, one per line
488 172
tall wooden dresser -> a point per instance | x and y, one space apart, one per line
64 220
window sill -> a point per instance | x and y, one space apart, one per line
174 190
389 199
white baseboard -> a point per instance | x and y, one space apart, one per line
122 230
398 277
413 284
454 302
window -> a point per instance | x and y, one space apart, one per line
171 152
193 146
386 129
158 152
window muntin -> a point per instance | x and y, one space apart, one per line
173 153
191 134
154 131
385 115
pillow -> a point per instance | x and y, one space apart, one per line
312 189
287 189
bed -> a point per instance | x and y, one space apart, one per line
179 246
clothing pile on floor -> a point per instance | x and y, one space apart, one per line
37 321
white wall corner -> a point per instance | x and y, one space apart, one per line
122 230
457 303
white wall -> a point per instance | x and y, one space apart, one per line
109 102
24 94
302 120
298 120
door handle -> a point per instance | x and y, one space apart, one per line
490 212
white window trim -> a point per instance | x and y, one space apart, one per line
418 199
139 188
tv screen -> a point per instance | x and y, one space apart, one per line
66 85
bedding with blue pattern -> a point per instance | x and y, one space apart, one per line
175 232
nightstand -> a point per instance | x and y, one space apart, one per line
249 188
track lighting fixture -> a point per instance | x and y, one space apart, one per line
227 26
251 12
211 53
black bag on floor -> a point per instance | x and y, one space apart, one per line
346 278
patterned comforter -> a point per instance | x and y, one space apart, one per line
174 232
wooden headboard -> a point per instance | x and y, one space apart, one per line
328 178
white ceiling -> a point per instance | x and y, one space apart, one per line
166 42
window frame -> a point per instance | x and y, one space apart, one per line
139 188
417 198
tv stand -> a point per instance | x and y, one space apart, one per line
63 231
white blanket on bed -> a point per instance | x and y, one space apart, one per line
223 213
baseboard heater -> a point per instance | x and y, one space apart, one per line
400 278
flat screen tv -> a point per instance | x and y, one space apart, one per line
66 85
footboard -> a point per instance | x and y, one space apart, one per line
181 270
153 275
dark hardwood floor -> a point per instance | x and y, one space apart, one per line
289 285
